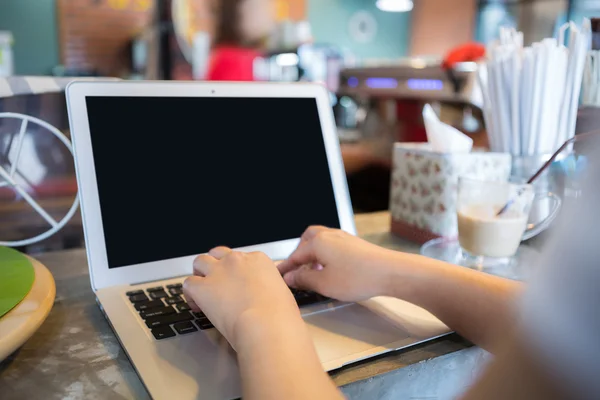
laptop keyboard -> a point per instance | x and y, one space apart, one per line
166 313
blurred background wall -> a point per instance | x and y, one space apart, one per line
71 32
330 18
92 35
35 28
433 20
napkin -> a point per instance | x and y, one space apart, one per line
442 137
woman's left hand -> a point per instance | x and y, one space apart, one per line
238 291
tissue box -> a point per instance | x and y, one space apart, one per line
424 188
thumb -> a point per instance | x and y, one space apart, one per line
305 278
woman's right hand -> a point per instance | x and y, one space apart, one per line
340 266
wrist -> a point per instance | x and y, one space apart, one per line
257 327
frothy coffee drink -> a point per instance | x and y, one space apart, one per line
482 233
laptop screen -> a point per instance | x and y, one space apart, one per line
179 176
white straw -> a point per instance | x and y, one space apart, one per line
553 139
496 115
538 90
581 47
503 104
516 104
566 105
596 77
482 77
526 98
531 95
587 79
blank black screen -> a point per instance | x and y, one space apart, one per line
179 176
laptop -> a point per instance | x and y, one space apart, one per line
169 170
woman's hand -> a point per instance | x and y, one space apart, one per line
239 291
246 299
339 265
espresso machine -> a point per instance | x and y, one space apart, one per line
383 104
391 97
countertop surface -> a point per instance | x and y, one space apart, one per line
75 354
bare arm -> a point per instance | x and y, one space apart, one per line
247 301
276 356
476 305
278 361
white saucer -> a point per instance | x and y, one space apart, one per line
516 268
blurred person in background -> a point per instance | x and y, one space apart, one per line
240 37
545 337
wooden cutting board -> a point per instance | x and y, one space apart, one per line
22 321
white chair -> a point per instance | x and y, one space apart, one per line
7 177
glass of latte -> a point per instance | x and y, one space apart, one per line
486 233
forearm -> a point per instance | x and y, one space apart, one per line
476 305
278 361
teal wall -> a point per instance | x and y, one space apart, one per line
34 27
329 20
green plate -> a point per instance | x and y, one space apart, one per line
16 278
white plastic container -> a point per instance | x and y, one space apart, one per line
6 54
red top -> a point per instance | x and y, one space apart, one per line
232 64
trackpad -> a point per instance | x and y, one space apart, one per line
349 330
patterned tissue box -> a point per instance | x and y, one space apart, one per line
424 188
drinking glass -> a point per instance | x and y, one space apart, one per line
488 238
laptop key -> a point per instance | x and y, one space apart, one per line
158 295
185 327
163 332
134 293
156 312
174 300
175 285
176 291
204 323
182 307
138 298
198 315
155 289
148 305
309 298
321 298
304 301
168 319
